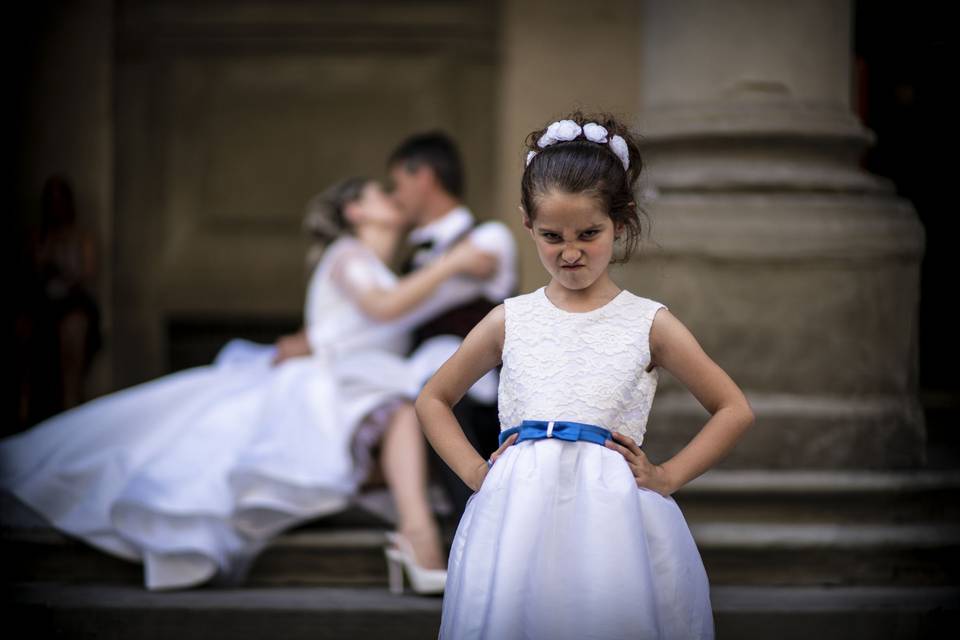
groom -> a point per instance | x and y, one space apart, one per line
427 187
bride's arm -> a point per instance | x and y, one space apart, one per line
292 345
361 281
448 295
440 285
388 303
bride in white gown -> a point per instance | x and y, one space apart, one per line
193 473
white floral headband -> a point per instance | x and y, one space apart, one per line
569 130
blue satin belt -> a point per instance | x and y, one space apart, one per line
560 429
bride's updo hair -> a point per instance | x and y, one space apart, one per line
581 165
325 221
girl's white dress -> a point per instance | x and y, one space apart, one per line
192 473
559 542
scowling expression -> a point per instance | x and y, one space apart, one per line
574 237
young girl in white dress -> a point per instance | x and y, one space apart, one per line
572 532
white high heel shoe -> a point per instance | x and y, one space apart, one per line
400 557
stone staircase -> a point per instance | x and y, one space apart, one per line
789 555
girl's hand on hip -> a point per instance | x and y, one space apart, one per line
648 475
484 469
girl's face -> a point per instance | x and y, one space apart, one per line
574 237
373 206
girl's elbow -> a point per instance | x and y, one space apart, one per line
430 395
423 398
746 410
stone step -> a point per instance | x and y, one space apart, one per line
829 612
740 612
57 610
341 557
752 527
733 553
907 496
829 554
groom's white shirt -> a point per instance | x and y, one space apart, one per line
443 229
492 236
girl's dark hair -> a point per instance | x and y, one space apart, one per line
583 166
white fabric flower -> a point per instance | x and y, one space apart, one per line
619 146
562 130
559 130
595 132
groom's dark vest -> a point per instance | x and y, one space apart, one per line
458 320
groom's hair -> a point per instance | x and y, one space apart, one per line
436 150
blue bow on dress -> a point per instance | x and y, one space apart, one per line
560 429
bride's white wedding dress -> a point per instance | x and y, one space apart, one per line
192 473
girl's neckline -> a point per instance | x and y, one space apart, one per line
543 294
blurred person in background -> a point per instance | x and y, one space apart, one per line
427 174
58 318
193 473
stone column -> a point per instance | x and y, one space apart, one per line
798 271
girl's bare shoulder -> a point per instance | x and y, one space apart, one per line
497 317
492 328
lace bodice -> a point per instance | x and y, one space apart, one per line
578 366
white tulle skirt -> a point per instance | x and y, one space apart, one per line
193 473
560 543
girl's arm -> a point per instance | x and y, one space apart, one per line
674 348
480 351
